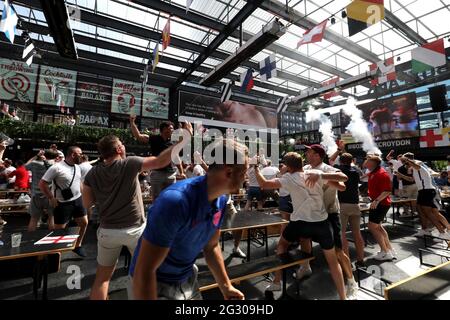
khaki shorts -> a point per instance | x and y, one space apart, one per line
111 241
348 210
409 191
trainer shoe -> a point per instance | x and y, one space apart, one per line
302 271
394 253
237 252
383 256
274 286
351 290
2 222
80 251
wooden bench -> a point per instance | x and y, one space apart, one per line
256 268
425 285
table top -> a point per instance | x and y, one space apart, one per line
14 191
28 248
396 200
425 285
251 219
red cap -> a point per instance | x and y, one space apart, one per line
318 149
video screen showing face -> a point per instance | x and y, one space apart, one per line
393 118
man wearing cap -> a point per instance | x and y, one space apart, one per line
315 154
379 192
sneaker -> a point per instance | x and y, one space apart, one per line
2 222
80 251
302 271
274 286
383 256
351 290
394 254
237 252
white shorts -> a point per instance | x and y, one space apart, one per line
111 241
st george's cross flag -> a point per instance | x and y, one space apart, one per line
428 56
434 138
385 71
57 239
268 68
313 35
8 22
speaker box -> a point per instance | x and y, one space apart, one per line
438 98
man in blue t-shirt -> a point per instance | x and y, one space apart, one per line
184 220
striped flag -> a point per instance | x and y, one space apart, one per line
385 71
8 22
166 35
361 14
155 58
247 80
28 51
428 56
226 92
313 35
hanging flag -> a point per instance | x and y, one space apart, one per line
428 56
28 51
313 35
145 76
268 68
385 71
332 93
155 58
188 5
166 35
8 22
361 14
226 92
434 138
247 82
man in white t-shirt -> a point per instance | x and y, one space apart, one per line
428 200
309 218
66 198
315 155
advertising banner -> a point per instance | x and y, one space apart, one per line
155 103
17 80
126 97
57 87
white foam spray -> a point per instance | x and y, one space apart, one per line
325 128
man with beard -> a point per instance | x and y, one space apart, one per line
66 198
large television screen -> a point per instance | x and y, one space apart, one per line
393 118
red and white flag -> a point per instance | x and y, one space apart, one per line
166 35
57 239
385 71
434 138
313 35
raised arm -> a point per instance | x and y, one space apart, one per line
143 138
266 184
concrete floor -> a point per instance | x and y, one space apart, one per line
317 287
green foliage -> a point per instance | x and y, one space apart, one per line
61 132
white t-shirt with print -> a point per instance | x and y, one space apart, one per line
307 202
